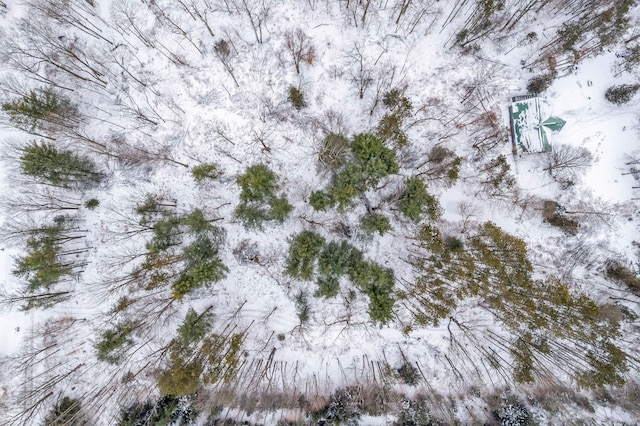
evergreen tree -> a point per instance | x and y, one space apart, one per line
416 201
65 413
621 94
40 108
303 251
44 161
258 199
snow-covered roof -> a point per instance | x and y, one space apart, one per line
531 123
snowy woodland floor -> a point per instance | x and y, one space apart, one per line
474 310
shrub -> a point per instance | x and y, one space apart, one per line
303 251
453 243
205 171
258 202
302 307
257 183
114 343
343 409
321 200
624 275
296 97
336 258
349 183
377 283
328 286
375 160
568 225
65 413
415 201
92 203
374 222
167 410
280 209
408 373
621 94
540 83
251 216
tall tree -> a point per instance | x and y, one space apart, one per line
64 168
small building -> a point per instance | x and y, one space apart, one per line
532 124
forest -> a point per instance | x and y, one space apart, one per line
315 213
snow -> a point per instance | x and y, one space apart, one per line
203 117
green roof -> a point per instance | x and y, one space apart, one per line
531 124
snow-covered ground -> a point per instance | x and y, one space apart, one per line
202 116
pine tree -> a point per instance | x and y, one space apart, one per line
39 108
44 161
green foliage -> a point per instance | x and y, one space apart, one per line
336 258
540 83
197 223
280 209
347 184
205 171
302 307
303 251
221 356
42 266
328 286
258 202
194 327
251 215
375 222
258 183
416 201
375 160
569 35
203 266
372 161
443 165
390 130
40 108
65 413
547 321
114 343
166 234
321 201
621 94
497 179
183 375
92 203
395 101
343 409
377 282
168 410
296 97
334 262
408 373
390 126
42 160
333 151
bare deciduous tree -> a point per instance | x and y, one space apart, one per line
223 52
567 157
299 46
360 73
